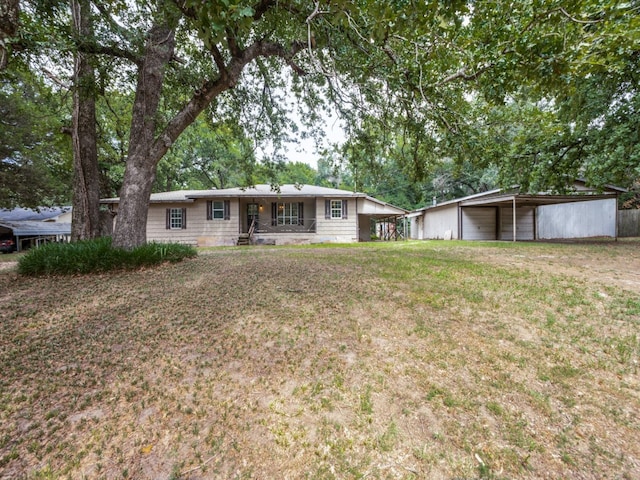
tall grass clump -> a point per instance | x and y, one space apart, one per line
94 256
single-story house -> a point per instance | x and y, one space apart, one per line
262 215
509 215
29 228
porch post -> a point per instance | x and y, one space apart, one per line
515 231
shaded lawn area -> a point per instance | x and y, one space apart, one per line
402 360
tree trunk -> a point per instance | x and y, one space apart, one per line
140 172
144 151
85 219
9 17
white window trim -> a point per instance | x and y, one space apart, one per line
219 211
175 219
335 207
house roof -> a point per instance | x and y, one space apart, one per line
263 190
42 214
288 190
34 228
164 197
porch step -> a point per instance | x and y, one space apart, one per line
244 239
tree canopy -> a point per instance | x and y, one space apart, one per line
497 83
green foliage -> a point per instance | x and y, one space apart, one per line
534 91
207 155
35 166
94 256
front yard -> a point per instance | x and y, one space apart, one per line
402 360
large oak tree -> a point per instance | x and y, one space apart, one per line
402 68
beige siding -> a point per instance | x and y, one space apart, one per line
479 223
203 232
335 229
199 231
525 220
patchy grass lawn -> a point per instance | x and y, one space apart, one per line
388 361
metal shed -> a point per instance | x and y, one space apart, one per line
497 215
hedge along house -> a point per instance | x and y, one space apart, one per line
259 215
504 215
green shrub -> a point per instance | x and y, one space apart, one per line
92 256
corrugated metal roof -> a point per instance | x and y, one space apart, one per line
30 228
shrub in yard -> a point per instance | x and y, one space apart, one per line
98 255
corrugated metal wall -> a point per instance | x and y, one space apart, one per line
440 221
525 221
594 218
479 223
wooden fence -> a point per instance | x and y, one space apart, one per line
629 223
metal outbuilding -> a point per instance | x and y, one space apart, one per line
500 215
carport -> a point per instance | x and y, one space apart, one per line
530 217
512 216
30 233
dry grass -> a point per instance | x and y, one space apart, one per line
405 360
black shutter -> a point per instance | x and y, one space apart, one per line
209 210
327 209
301 213
344 208
184 218
168 224
274 214
227 210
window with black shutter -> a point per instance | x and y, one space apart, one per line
219 210
176 218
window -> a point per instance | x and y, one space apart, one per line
217 209
176 218
287 213
335 209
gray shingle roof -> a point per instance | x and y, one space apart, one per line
283 191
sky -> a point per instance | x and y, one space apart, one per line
305 151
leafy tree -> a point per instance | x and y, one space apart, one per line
85 222
34 170
9 15
398 70
207 156
296 173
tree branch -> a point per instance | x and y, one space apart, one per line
213 88
109 50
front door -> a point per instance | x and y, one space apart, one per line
252 215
